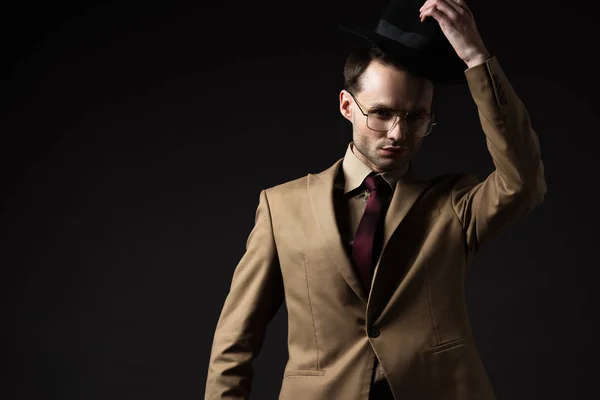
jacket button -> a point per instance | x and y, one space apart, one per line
373 332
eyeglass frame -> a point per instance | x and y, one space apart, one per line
398 115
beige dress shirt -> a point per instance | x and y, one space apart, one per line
353 202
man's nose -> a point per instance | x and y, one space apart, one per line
398 132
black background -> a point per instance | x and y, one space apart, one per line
136 137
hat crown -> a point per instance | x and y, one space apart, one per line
404 14
400 22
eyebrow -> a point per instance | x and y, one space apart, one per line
383 105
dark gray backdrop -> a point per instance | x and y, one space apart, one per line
136 137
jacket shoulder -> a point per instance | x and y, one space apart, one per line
289 189
298 186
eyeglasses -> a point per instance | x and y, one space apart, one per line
416 123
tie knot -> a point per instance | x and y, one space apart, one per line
376 182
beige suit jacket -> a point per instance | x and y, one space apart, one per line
415 319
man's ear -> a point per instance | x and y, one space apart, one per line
346 105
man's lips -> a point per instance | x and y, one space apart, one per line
395 149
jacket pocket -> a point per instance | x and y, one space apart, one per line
303 372
445 347
454 371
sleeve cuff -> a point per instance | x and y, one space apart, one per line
482 65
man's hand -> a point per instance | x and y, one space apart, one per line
457 22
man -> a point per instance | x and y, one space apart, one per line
369 260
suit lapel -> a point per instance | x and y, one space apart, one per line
320 192
407 192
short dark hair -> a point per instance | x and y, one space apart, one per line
359 59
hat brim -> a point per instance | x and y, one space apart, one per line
438 65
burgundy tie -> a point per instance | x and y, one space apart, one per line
370 227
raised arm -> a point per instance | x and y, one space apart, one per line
255 295
517 184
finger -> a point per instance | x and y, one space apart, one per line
426 6
439 6
439 16
426 11
427 3
455 4
431 4
447 9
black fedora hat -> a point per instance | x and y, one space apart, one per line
420 47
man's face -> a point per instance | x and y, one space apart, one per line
388 87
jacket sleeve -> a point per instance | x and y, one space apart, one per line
517 185
255 295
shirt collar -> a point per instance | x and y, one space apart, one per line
355 171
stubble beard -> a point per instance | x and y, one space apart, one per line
369 152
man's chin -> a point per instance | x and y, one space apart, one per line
392 163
